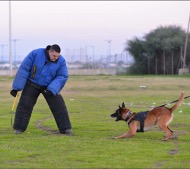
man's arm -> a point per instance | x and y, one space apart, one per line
23 72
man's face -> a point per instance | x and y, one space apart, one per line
53 55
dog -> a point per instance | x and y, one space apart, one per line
144 121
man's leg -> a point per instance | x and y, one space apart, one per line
24 109
59 111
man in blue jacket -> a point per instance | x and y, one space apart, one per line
43 71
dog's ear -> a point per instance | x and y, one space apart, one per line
123 105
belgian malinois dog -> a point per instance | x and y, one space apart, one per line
144 121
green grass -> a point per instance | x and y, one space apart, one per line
90 101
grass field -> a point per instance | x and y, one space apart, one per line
90 101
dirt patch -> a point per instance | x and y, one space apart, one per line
176 134
39 125
179 133
176 149
173 152
178 125
160 164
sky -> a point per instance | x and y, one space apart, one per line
84 26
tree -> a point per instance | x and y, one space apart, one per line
158 52
136 48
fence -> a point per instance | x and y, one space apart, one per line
98 71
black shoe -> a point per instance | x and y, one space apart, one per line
67 132
18 131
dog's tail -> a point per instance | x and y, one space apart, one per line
181 98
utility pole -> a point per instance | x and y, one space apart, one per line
2 47
184 68
10 38
15 40
185 49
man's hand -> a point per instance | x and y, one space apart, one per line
47 92
13 93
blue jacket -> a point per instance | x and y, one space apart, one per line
37 68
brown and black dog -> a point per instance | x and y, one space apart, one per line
144 121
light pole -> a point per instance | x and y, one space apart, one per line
109 50
15 40
92 53
109 43
2 46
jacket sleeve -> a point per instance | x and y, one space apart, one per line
59 82
23 72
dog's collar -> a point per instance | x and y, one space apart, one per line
128 116
128 119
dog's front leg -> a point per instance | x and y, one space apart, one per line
125 135
132 131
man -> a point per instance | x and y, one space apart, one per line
43 71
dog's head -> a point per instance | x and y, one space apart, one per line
122 113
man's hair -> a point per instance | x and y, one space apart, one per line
55 48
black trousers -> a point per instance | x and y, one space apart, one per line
27 101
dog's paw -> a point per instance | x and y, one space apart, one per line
174 138
166 139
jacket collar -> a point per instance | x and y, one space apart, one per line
48 58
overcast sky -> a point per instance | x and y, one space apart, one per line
77 24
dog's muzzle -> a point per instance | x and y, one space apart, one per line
117 115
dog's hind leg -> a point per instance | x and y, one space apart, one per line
167 130
168 133
170 129
163 123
